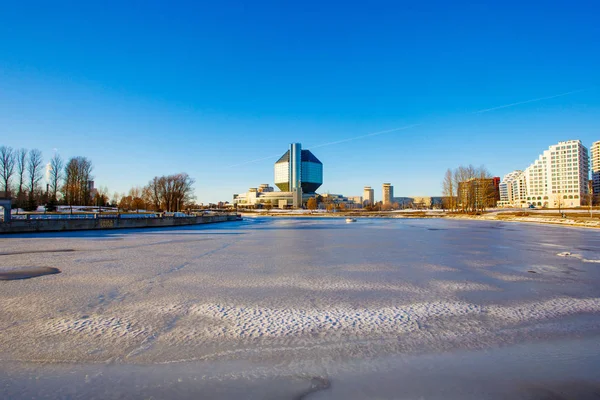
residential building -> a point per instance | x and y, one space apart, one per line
478 193
596 168
513 190
368 196
559 177
388 193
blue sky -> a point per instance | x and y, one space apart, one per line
149 88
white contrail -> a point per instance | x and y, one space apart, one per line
332 143
365 136
527 101
419 124
253 161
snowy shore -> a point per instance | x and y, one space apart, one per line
573 218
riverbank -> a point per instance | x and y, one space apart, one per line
63 225
572 218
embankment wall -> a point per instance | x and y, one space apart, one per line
62 225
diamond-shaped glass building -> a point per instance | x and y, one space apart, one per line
298 168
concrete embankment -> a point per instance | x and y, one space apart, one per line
60 225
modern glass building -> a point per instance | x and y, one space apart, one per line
298 168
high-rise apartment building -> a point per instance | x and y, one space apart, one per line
368 196
559 177
596 168
513 190
388 193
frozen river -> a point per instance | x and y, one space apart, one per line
305 309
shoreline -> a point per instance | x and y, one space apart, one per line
91 224
536 218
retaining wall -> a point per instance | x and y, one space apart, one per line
49 225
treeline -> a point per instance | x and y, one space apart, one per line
164 193
468 189
71 183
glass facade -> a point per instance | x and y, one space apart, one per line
299 166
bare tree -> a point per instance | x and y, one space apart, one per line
468 188
125 203
21 165
463 180
7 166
101 197
152 193
170 193
116 197
558 201
56 173
78 175
485 191
35 172
449 190
137 203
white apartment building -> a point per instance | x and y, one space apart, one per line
559 177
513 190
368 196
596 168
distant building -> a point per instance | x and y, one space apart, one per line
265 188
559 177
513 190
357 200
298 174
368 196
91 189
419 202
477 193
596 168
338 199
388 193
256 199
298 171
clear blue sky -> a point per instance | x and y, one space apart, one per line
148 88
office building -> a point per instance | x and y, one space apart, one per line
596 168
368 196
388 193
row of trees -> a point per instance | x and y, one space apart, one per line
21 171
468 189
163 193
70 183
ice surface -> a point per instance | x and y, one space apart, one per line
291 301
